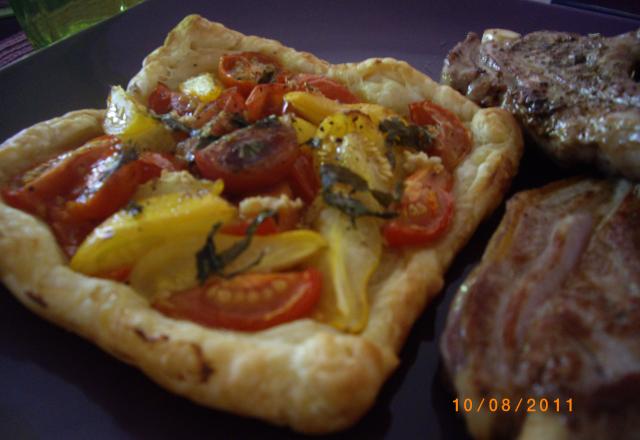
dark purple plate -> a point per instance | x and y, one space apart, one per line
56 385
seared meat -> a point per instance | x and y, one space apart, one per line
553 311
577 96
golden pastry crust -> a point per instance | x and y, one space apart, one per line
303 374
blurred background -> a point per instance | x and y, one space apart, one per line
26 25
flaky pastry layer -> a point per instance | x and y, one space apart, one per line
304 374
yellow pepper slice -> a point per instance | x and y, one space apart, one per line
128 234
304 129
353 254
203 86
131 122
315 108
172 266
352 140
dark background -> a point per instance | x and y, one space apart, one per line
56 385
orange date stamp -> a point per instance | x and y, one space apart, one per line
507 404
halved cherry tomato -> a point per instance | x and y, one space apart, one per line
231 103
105 189
331 89
68 232
239 227
303 178
245 70
184 104
160 99
155 162
453 141
265 100
251 158
426 208
60 176
249 302
78 190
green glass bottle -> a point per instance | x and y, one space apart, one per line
46 21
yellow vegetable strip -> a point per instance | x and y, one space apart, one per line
172 265
124 237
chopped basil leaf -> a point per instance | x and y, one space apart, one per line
331 174
209 262
385 199
267 76
407 135
352 207
173 124
205 141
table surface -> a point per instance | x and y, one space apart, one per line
56 385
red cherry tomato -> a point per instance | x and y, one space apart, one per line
155 162
426 209
230 104
321 84
77 190
160 99
59 176
249 302
265 100
303 178
251 158
108 187
245 70
452 142
184 104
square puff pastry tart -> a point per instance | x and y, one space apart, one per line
303 374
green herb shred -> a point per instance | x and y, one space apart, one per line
352 207
332 174
398 133
209 262
172 123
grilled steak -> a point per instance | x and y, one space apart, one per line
553 311
577 96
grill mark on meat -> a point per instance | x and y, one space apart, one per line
569 326
578 97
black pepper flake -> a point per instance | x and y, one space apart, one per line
133 208
209 262
314 142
